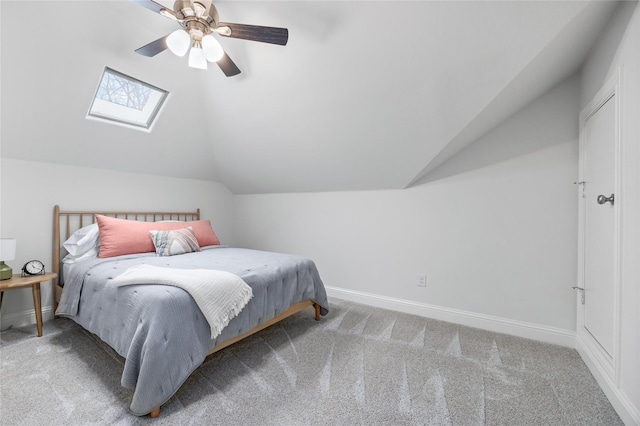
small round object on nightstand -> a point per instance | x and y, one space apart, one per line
33 267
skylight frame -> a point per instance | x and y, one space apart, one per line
125 115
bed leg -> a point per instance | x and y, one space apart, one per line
315 305
155 413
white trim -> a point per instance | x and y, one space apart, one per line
24 318
625 408
557 336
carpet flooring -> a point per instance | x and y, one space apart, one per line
357 366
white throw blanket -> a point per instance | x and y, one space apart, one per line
219 295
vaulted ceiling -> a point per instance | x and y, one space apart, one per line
366 95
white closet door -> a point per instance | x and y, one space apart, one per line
599 171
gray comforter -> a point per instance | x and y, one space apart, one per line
159 329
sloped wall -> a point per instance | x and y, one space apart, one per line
495 231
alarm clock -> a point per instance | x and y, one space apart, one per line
33 267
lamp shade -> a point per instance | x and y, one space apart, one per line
178 42
197 58
7 249
212 49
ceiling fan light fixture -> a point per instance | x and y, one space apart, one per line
198 19
212 49
179 42
197 58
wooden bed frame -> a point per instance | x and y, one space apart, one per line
67 222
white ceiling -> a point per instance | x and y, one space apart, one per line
366 95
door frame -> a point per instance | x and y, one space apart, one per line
608 365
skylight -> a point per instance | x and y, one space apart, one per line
127 100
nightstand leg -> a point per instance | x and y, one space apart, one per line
37 306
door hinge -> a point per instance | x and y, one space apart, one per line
581 290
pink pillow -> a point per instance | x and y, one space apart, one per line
120 236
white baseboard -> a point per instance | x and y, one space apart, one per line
626 409
527 330
24 318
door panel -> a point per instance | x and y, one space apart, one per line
600 228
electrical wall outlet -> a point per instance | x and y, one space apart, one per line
422 280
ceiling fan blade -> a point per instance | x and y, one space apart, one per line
157 8
153 48
271 35
228 67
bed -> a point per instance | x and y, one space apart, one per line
161 330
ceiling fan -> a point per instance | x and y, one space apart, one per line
199 19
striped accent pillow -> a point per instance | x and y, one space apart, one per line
177 241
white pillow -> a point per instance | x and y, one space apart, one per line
93 252
83 241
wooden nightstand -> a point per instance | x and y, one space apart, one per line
18 281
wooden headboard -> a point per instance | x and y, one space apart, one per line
66 223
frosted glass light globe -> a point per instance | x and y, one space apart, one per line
178 42
212 49
197 58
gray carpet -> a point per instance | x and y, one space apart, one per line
358 365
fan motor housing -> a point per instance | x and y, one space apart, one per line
202 11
